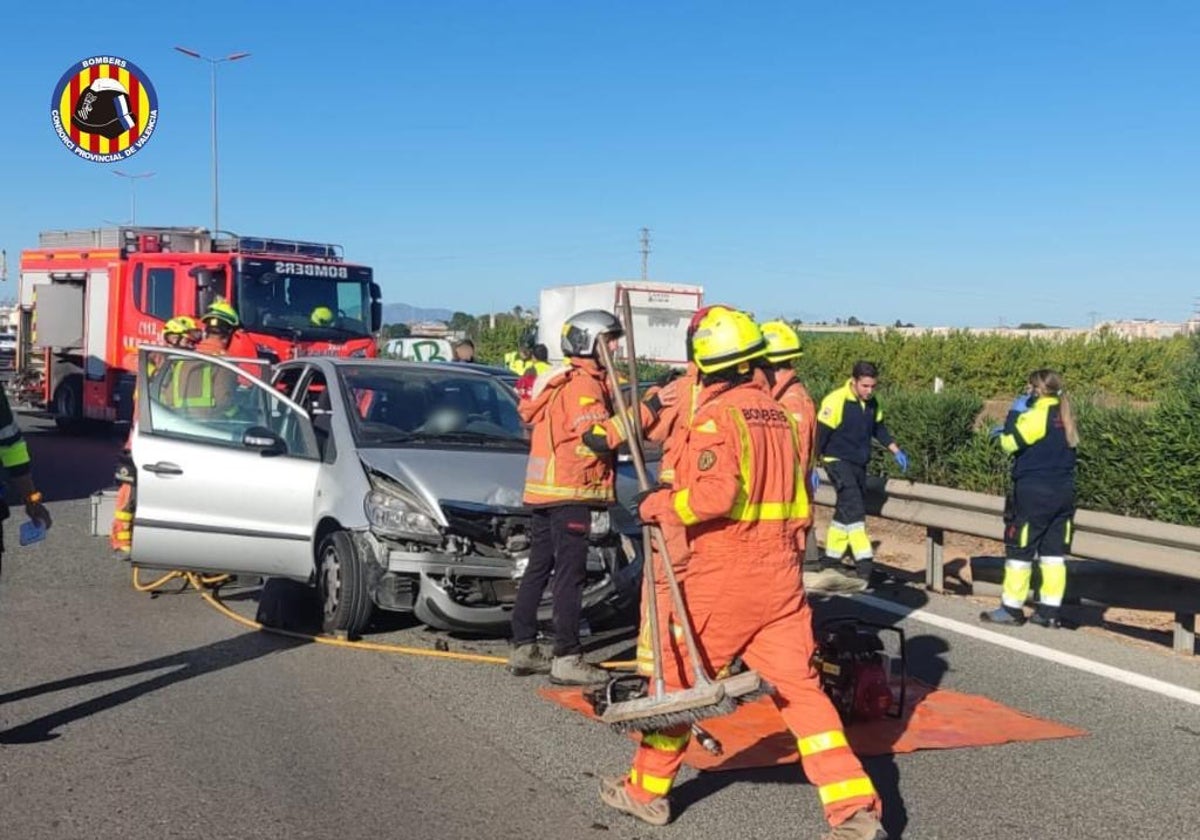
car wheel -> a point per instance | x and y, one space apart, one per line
68 403
342 586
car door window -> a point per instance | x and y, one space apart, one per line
286 379
313 393
199 399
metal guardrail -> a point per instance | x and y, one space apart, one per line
1155 547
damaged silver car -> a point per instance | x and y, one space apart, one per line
384 484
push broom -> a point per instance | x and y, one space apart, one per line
707 698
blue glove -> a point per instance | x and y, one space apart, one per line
1020 404
901 460
995 432
814 481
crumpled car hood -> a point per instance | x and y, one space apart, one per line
483 476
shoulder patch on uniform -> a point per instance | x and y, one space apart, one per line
707 459
709 426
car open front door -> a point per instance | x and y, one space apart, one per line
226 470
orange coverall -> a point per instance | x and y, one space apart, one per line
740 493
790 393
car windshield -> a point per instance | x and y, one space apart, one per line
305 301
396 405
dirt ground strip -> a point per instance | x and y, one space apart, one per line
901 547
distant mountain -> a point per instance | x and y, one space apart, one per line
402 313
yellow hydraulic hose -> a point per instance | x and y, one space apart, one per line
204 585
155 585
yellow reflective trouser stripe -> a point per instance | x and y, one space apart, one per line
850 789
666 743
1016 583
821 742
1054 581
123 516
836 540
657 785
1067 536
682 504
860 543
1024 535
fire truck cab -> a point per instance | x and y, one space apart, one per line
88 298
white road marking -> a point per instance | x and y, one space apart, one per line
1120 675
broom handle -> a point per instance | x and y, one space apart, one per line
639 465
660 686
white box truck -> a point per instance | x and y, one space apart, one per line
661 313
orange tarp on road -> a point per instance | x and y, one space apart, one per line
935 719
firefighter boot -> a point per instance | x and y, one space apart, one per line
527 659
1044 616
862 826
615 794
1003 615
573 670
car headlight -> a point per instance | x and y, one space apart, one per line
601 524
395 512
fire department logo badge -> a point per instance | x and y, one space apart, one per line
104 109
707 459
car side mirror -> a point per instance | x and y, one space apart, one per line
264 440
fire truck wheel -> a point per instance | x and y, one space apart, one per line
342 586
68 403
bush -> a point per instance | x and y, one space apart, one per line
994 366
929 427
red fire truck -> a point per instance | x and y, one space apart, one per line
88 298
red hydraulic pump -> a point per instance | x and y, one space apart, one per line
856 671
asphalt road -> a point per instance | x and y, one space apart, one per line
129 716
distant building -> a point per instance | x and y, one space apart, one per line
1131 328
1149 328
430 329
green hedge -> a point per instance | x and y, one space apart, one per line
995 366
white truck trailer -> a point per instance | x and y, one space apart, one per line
661 313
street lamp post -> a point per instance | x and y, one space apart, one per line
212 63
133 179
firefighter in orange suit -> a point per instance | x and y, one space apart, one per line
740 493
783 348
570 474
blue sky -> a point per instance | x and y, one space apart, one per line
951 162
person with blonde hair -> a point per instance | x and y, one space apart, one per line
1040 434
